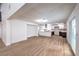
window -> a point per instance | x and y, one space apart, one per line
73 34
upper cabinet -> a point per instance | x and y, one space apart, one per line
9 9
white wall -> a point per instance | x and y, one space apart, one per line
32 30
7 10
77 26
13 31
18 31
75 14
77 29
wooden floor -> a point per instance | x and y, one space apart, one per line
1 44
39 46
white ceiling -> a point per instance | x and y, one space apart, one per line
54 12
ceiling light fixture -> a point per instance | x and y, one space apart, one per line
41 20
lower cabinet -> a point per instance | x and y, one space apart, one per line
63 34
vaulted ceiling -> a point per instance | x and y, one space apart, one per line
54 12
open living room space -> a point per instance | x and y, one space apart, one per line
39 29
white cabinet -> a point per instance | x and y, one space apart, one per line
45 33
